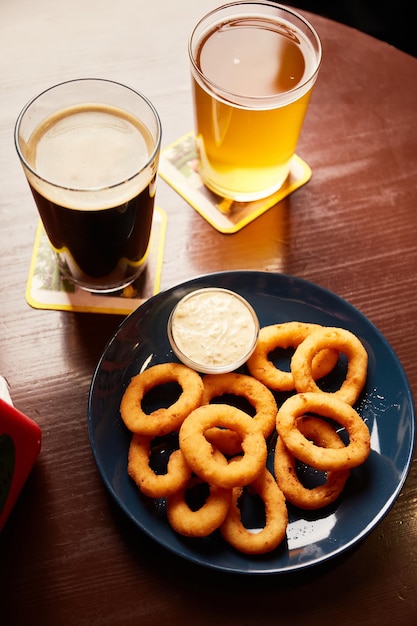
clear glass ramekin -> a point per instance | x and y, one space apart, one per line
213 330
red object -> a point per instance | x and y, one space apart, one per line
20 445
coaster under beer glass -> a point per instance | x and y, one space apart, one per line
90 150
253 67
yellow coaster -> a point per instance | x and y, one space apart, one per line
47 289
178 167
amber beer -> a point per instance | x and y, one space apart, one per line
91 167
253 68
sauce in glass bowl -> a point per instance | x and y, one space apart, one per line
213 330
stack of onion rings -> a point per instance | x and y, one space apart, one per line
198 451
322 434
224 448
325 405
258 396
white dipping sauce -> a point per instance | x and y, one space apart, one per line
213 330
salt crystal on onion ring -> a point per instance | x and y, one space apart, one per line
288 334
165 420
342 340
322 434
257 541
198 451
328 406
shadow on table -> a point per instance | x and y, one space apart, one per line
379 19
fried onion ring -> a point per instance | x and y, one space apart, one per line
342 340
288 334
322 434
324 405
165 420
206 519
256 393
152 484
198 451
276 514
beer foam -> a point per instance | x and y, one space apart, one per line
88 155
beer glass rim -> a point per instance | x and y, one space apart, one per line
256 101
142 168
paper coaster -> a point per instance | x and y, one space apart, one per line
178 167
47 289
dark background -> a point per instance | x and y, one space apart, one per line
386 20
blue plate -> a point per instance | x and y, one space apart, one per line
386 405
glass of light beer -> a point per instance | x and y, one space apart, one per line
253 68
90 150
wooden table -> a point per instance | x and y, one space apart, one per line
68 555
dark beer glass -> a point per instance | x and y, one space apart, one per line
90 150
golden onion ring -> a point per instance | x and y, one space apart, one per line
149 482
205 519
322 434
328 406
342 340
198 451
272 534
165 420
257 395
286 335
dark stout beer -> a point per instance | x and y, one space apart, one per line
94 189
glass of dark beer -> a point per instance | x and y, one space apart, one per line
90 150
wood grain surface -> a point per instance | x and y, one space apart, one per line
68 555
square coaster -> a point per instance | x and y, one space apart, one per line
178 166
47 289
